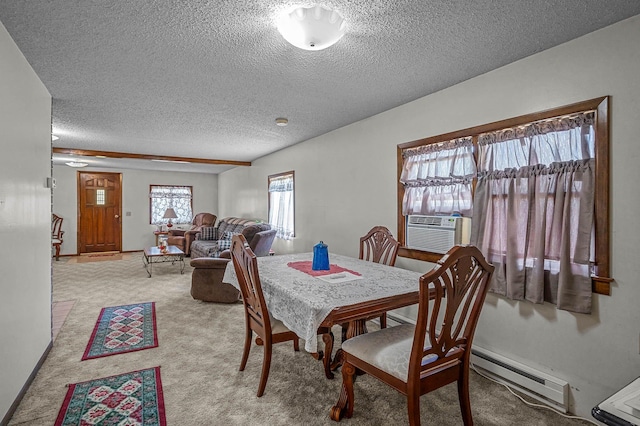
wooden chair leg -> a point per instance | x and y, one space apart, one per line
463 396
266 365
383 320
57 246
413 408
247 348
296 344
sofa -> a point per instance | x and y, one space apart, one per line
206 279
183 239
210 241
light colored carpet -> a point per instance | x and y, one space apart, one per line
199 351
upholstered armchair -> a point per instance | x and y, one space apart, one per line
206 280
182 239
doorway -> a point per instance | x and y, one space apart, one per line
99 212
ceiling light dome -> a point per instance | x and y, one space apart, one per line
312 28
76 163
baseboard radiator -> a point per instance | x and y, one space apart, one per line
533 383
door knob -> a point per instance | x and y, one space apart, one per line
117 216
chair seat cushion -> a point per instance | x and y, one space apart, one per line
278 327
388 349
56 241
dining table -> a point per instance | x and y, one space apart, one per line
351 292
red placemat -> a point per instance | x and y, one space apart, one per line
305 266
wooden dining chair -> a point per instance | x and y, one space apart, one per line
56 234
417 359
257 318
379 246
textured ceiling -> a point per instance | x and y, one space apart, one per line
207 79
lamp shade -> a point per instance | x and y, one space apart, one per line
170 213
312 28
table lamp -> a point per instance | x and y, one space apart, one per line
170 213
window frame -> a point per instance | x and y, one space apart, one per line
601 281
151 186
293 178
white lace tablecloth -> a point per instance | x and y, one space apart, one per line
302 301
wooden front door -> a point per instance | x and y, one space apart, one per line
99 212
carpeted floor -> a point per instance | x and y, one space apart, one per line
199 351
97 257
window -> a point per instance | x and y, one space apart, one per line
281 204
532 197
100 197
162 197
437 178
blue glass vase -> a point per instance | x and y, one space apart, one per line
320 257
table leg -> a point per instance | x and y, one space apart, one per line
344 406
355 328
327 338
146 262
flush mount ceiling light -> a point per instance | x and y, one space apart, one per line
76 164
281 121
312 28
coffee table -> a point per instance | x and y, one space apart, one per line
154 255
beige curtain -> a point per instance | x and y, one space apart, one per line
534 211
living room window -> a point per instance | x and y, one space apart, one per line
281 204
533 210
162 197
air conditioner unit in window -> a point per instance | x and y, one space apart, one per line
435 234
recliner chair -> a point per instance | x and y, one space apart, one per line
182 239
206 280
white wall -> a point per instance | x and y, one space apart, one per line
25 220
137 233
346 183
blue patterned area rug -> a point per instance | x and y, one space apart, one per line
123 329
127 399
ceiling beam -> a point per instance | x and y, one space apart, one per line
111 154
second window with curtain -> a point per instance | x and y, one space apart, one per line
281 204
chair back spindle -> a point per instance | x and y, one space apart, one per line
456 288
379 246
